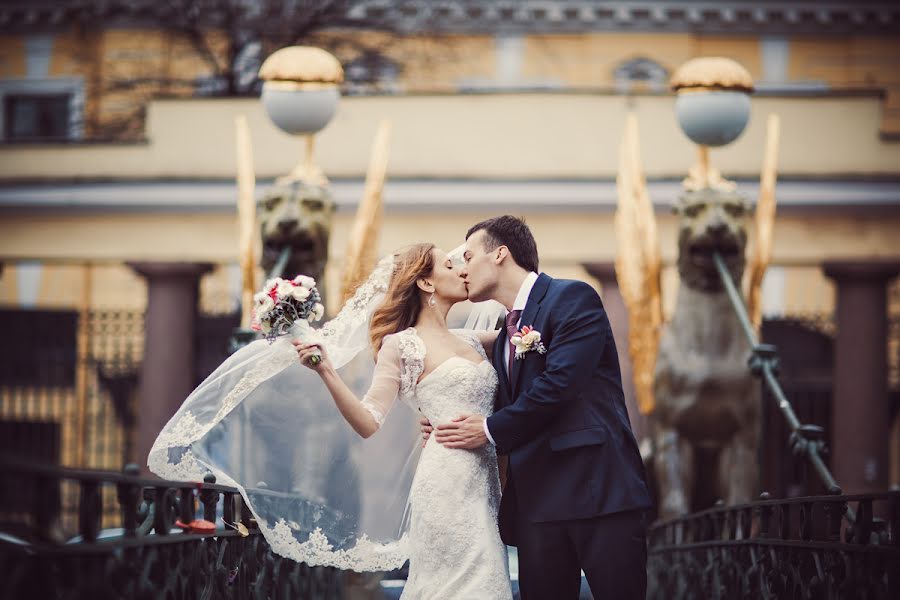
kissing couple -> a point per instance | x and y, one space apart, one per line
542 394
527 439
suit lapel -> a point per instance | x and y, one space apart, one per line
529 317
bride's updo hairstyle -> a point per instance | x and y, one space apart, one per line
402 303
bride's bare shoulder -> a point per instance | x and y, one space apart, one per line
485 337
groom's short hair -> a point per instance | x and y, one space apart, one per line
513 233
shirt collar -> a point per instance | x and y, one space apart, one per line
525 291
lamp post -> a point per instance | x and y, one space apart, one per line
712 107
301 91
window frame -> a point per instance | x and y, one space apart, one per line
73 87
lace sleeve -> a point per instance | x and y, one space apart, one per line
412 361
385 384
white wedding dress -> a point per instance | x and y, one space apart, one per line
319 494
455 549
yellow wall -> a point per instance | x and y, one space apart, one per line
852 62
589 60
489 136
12 57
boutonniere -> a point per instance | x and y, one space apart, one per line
527 340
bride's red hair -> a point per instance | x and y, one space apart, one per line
402 303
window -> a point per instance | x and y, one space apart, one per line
41 110
41 347
37 117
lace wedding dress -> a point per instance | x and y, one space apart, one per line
318 493
455 549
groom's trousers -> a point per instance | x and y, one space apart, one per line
610 549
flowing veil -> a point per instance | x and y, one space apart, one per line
265 424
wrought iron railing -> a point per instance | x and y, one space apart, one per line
806 440
173 540
795 548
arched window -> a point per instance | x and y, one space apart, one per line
640 74
371 70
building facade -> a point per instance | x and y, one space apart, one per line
117 163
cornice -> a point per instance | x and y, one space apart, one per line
501 16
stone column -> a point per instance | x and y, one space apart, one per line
167 374
614 304
860 409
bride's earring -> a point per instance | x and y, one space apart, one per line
431 300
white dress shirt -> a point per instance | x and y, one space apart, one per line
519 304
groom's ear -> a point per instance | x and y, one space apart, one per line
500 254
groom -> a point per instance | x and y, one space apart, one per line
575 495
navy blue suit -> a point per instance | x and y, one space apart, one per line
576 491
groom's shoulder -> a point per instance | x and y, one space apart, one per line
572 291
570 286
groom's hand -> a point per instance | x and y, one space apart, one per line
465 431
426 429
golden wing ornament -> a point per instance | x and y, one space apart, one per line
246 183
761 253
362 249
638 265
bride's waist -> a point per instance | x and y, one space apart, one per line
434 452
446 416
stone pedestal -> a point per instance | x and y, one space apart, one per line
167 374
860 410
614 304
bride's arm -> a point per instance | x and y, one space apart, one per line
364 416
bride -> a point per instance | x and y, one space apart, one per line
455 547
368 496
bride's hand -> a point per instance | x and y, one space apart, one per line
306 350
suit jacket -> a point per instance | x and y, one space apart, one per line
562 417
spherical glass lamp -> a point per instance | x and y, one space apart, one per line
713 103
301 90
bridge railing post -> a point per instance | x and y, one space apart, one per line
806 440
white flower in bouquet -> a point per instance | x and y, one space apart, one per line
285 288
299 293
319 311
305 281
264 303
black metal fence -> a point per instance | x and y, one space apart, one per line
171 540
796 548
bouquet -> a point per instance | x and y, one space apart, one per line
288 306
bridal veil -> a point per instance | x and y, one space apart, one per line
265 424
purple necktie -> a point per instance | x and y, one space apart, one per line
512 318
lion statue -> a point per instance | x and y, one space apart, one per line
296 216
706 422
